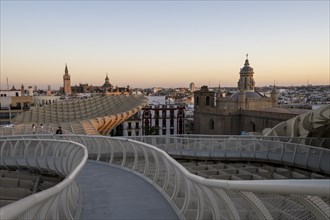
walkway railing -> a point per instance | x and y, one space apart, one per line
312 141
62 157
194 197
243 148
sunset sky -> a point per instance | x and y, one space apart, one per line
164 43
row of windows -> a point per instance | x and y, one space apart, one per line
164 115
137 125
46 101
207 100
5 95
137 133
19 105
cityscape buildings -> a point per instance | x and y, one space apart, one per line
160 117
84 88
217 171
227 174
170 143
246 110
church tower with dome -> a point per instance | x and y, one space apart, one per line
246 82
247 98
107 87
227 115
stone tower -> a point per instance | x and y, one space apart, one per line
274 96
66 81
246 82
22 90
204 98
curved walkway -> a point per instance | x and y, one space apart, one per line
109 192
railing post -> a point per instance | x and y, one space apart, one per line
319 162
307 154
294 154
282 152
254 149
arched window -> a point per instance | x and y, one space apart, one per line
211 124
207 100
197 100
251 126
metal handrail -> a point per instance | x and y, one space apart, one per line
63 157
166 173
195 197
312 141
289 153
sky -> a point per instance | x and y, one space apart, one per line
163 43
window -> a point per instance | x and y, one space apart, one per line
164 113
172 113
137 125
156 114
251 126
211 124
180 113
129 133
129 125
207 100
197 100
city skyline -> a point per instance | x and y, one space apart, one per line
164 44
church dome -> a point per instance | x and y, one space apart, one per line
246 69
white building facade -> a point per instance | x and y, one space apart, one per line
159 117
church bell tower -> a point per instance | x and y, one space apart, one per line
66 81
246 82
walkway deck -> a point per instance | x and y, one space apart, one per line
109 192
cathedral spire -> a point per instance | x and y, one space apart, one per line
66 70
